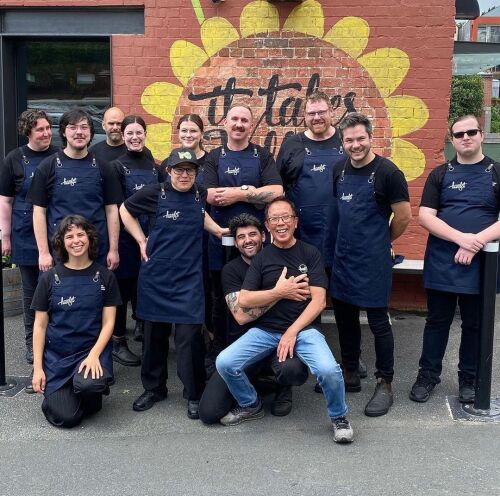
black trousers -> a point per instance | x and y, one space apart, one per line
220 315
217 400
441 306
190 349
29 280
347 319
65 408
128 292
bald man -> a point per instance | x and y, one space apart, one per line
114 146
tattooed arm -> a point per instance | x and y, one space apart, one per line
243 315
263 195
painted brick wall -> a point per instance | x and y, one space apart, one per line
389 59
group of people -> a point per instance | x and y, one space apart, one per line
94 228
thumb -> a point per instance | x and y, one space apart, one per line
283 272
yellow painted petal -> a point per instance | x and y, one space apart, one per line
161 99
217 33
185 58
307 18
350 34
407 114
159 140
387 67
409 158
259 17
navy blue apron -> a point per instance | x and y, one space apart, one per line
234 170
130 256
24 247
467 203
312 195
362 265
75 323
78 190
170 285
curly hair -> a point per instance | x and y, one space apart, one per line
244 220
28 119
67 224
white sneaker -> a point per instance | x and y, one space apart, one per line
342 430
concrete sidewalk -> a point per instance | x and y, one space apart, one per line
415 449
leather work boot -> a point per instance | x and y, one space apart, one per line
352 381
381 400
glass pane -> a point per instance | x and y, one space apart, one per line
64 74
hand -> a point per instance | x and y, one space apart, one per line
286 346
224 231
45 262
113 259
6 245
142 248
470 242
38 380
91 364
227 196
293 288
464 257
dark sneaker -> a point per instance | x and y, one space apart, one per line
29 384
381 400
342 430
193 408
29 354
139 330
318 389
242 414
466 390
352 381
421 390
123 355
362 369
282 403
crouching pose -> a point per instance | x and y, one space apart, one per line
291 325
75 304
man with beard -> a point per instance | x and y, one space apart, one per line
114 146
217 400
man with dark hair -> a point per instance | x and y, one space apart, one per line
373 210
291 325
459 208
74 182
16 217
239 177
217 400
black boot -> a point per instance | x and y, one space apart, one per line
123 355
282 403
139 330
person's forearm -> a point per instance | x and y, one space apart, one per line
398 227
310 313
212 227
108 323
132 225
113 225
6 214
40 229
244 315
253 299
491 233
39 330
438 227
265 194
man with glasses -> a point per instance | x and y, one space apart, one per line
291 326
70 182
459 208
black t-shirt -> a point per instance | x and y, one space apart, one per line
389 183
293 150
43 181
12 170
264 272
233 275
431 196
268 171
43 292
107 153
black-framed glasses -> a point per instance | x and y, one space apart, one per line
285 218
469 132
319 113
188 170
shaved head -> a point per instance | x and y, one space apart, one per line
111 123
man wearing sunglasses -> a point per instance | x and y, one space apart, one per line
459 208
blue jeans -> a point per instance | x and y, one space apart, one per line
310 347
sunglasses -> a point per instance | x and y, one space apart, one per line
469 132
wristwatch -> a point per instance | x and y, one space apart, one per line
244 187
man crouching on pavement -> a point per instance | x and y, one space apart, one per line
292 324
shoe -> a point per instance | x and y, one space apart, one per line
466 390
29 354
342 430
381 400
123 355
139 330
147 399
242 414
193 407
421 390
352 381
29 385
282 403
317 388
362 369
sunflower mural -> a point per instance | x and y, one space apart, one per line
272 67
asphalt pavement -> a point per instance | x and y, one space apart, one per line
415 449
